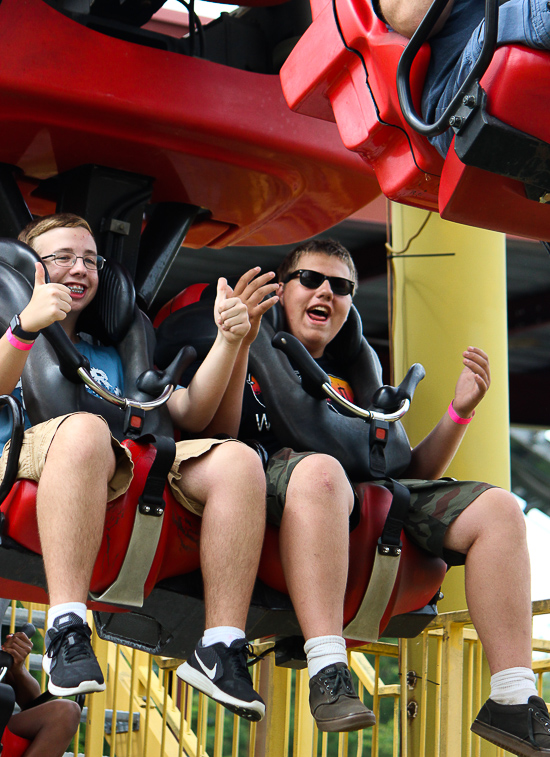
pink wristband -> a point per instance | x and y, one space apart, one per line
17 343
456 418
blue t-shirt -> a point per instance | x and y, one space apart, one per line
106 369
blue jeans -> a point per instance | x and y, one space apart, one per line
522 22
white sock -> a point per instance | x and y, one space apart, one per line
324 650
79 608
225 634
513 686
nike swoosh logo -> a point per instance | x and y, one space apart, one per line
210 672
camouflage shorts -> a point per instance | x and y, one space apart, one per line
433 507
279 470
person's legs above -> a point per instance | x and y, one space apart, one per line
71 500
522 22
49 727
314 545
229 480
491 533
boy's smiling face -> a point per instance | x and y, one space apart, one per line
315 316
81 282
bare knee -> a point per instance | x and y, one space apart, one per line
66 714
320 479
83 436
237 462
494 515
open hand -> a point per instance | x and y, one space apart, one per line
253 291
49 303
230 314
473 382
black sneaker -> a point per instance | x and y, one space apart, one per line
334 703
69 660
522 729
221 672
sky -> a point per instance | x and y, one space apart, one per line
538 538
202 7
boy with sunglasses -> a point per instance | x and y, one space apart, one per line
310 496
80 468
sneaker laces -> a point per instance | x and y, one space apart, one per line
79 649
338 681
238 660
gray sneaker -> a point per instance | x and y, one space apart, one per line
334 703
522 729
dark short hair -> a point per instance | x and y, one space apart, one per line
40 226
328 247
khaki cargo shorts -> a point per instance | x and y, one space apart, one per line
37 441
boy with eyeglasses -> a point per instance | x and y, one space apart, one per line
80 468
312 500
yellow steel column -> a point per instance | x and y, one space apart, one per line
448 292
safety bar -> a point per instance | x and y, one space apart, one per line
124 402
316 382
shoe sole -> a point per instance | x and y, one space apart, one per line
506 740
348 723
85 687
249 710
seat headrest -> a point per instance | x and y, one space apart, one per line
111 313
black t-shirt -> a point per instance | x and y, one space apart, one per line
255 423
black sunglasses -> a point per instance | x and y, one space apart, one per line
314 279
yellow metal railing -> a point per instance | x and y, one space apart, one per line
146 710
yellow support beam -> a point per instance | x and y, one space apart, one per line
448 291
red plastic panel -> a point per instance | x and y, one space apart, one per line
210 135
13 746
513 83
323 78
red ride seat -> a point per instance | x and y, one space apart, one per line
513 83
324 79
177 551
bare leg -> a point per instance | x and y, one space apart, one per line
314 543
50 727
71 502
491 532
230 481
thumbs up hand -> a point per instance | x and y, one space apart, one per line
230 314
49 303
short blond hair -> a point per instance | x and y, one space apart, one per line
40 226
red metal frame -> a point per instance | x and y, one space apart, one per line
210 135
